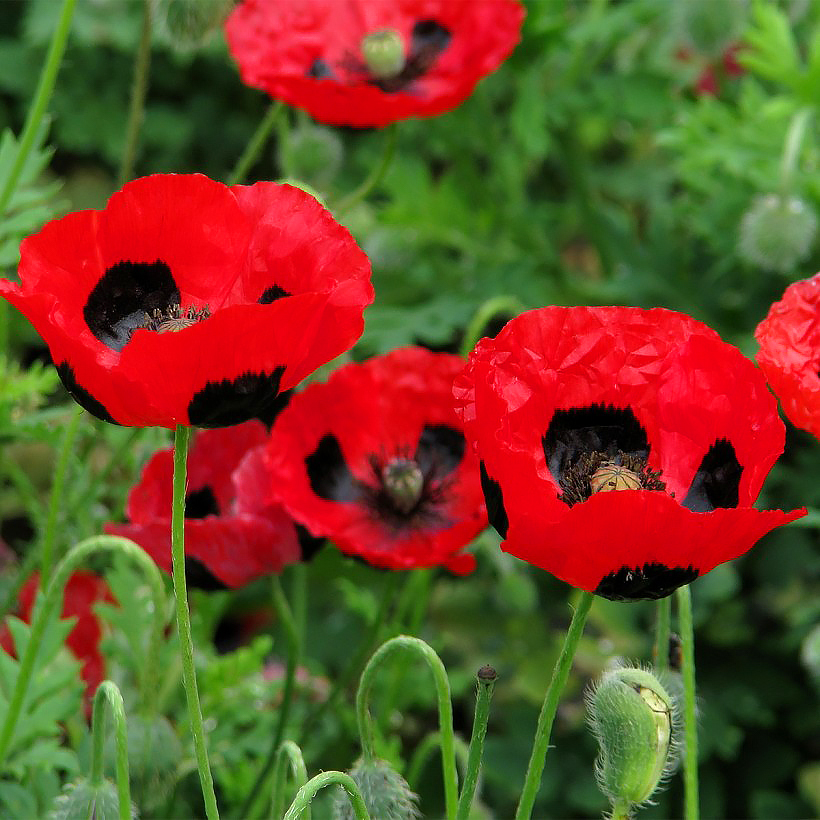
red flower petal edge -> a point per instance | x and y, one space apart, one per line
309 53
568 402
789 356
188 302
83 590
224 543
375 460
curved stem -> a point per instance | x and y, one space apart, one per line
486 683
791 149
256 143
660 652
288 752
47 549
139 87
108 691
375 177
424 751
690 725
42 96
182 437
48 603
497 306
308 791
445 710
532 781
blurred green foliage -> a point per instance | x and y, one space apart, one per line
591 168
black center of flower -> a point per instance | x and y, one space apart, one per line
201 503
126 293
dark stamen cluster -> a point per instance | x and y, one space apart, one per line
575 480
175 318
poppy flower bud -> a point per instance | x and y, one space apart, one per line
311 155
633 717
383 51
191 22
81 799
776 233
710 28
385 792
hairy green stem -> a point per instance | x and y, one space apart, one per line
532 781
288 752
308 792
497 306
424 751
445 710
48 603
182 437
691 809
486 683
50 531
256 143
108 692
139 88
375 176
663 615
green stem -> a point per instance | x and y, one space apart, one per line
424 751
660 652
308 791
375 177
532 781
257 142
445 710
791 149
42 97
48 603
690 725
108 692
139 88
288 752
47 549
486 683
181 439
497 306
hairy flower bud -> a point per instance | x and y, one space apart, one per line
709 27
190 23
633 717
385 792
311 154
80 800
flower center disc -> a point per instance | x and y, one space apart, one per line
613 478
404 482
174 318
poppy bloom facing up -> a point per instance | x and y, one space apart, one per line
621 449
83 590
370 62
231 546
375 460
789 354
188 302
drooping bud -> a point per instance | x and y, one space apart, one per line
312 154
80 800
190 23
777 233
383 51
385 792
709 28
403 480
633 717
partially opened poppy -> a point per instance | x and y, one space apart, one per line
621 449
789 354
369 62
186 302
224 544
375 460
83 590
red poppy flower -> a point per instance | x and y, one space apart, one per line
789 354
368 62
375 460
187 302
83 590
229 545
567 405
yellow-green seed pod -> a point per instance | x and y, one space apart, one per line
633 717
383 51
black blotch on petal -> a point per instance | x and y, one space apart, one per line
309 544
330 478
201 503
429 39
81 395
595 429
319 69
200 577
271 410
232 401
271 294
717 481
126 292
649 582
493 498
440 450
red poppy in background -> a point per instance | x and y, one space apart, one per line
188 302
369 62
789 354
621 449
230 545
83 590
375 460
